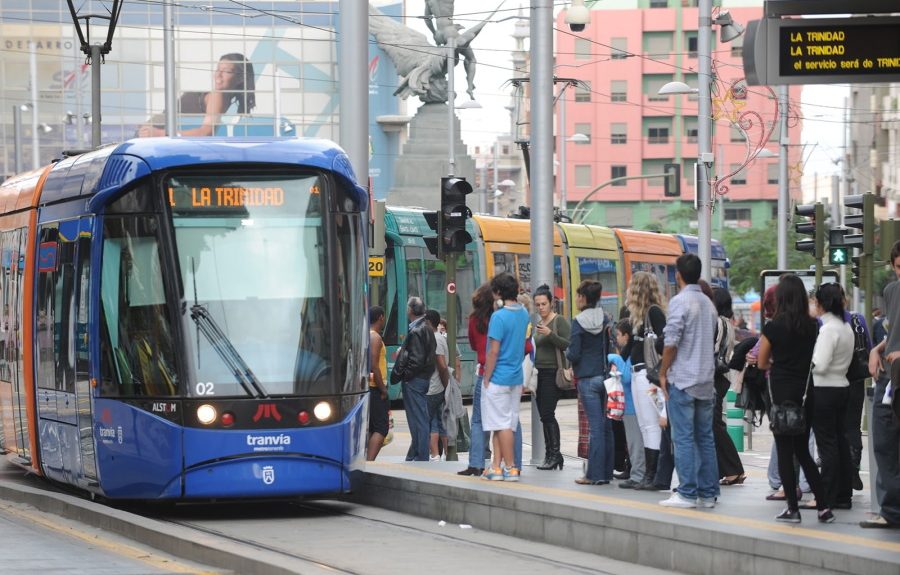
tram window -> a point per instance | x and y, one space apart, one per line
11 305
351 298
414 277
392 308
465 287
665 276
138 351
254 276
604 271
82 307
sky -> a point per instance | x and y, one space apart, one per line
821 106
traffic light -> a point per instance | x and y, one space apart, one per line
454 214
865 222
672 181
854 271
814 227
432 243
838 256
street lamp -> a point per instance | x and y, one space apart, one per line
729 31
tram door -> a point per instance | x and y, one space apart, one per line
63 289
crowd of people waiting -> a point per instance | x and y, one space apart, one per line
675 361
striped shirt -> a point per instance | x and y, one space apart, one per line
690 327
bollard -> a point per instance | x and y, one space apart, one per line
735 425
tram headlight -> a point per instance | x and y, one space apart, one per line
322 410
206 414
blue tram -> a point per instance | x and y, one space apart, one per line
186 319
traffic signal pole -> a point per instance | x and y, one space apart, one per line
450 258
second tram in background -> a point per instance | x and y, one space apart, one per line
503 244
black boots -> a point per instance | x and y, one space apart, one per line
554 458
651 460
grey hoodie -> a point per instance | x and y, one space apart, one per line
592 320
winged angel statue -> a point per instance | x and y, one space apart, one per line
422 66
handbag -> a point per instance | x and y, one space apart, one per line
615 397
564 377
651 356
721 364
529 373
463 433
859 361
788 418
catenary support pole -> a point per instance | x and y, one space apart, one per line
96 60
704 136
541 170
17 137
784 198
169 66
353 77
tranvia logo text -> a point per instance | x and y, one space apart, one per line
268 442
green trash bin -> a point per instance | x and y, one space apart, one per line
735 426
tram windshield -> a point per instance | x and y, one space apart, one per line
252 257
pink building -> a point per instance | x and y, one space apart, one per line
626 54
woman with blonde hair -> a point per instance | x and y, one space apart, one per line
648 318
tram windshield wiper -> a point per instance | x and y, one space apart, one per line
226 350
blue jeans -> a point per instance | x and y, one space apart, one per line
601 448
416 404
695 449
478 451
435 412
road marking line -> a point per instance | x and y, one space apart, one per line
656 508
117 548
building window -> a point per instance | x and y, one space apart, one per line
690 129
652 84
505 150
690 40
582 49
737 135
619 48
583 176
657 135
771 173
583 91
618 91
619 216
619 172
619 133
658 45
740 178
691 80
776 133
687 170
585 130
738 214
659 3
737 47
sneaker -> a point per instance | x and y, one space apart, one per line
788 516
433 458
678 501
706 502
876 522
826 516
511 474
857 482
493 474
629 484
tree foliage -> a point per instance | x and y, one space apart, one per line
753 250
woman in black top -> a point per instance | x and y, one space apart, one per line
786 350
730 467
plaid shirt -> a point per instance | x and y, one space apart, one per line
690 327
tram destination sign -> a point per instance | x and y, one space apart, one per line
822 51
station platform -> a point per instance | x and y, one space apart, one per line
739 536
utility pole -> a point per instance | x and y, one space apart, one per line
354 83
541 168
96 53
704 137
450 258
168 69
17 135
784 198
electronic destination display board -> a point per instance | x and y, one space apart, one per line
822 51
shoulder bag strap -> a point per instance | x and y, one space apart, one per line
806 389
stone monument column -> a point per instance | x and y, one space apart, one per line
425 159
